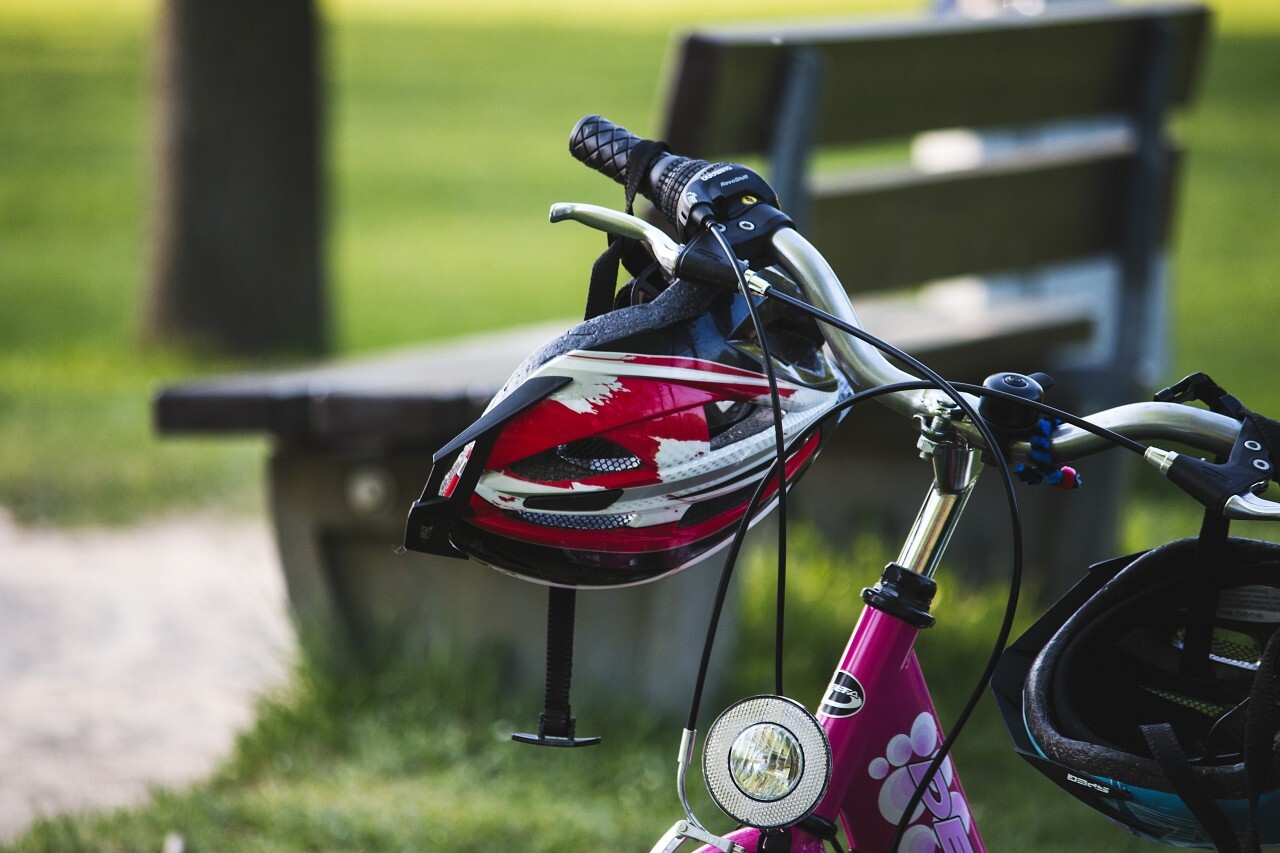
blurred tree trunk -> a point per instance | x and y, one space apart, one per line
236 251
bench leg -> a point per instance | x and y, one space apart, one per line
354 592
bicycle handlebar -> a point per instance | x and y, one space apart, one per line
867 368
608 148
684 190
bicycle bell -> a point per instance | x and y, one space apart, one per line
766 761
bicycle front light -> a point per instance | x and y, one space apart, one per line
766 761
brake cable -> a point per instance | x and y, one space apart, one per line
1015 523
780 445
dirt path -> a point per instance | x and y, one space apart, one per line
129 658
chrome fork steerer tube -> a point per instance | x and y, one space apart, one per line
955 472
932 530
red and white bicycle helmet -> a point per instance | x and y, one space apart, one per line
629 447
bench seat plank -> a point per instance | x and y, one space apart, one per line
421 397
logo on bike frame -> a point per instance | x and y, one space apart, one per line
845 696
942 820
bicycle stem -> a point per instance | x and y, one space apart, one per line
956 466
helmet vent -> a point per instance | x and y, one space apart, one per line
576 459
752 420
1209 709
1229 647
578 522
708 509
599 455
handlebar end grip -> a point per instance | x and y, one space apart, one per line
603 145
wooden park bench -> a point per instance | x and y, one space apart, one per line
1067 112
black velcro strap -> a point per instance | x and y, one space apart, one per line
604 279
1212 556
604 272
557 720
1201 387
1270 433
1168 753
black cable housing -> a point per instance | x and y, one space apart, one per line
781 465
1015 524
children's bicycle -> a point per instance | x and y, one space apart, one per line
687 404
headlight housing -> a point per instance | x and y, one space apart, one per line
766 761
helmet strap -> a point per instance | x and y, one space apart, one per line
622 250
1169 754
556 725
1213 554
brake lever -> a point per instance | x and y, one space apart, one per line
664 250
693 262
1251 506
1229 487
1246 506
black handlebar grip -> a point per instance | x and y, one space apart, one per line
611 150
603 145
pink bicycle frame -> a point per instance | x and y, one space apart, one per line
880 753
880 718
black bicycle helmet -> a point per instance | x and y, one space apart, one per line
1149 692
629 447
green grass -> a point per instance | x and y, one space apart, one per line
1227 253
450 144
77 443
406 759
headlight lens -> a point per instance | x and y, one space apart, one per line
766 762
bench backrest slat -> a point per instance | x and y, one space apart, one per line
895 79
884 230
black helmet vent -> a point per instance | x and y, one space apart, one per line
705 510
576 459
